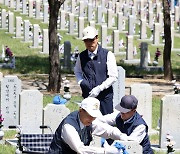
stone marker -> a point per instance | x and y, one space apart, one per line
170 119
45 48
143 92
119 86
11 23
129 50
67 55
54 111
144 55
31 108
10 90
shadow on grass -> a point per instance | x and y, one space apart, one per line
30 65
133 71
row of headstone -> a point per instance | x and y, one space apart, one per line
156 32
31 33
25 107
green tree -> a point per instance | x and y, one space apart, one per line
54 73
168 74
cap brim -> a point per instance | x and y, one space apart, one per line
88 37
121 109
94 113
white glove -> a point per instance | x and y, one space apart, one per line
124 137
95 92
110 149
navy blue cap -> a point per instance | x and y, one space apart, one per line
128 103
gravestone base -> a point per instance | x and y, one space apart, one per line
156 148
63 29
132 61
120 53
109 48
145 40
30 41
151 68
3 28
24 14
39 47
175 49
123 32
21 37
160 44
74 34
153 132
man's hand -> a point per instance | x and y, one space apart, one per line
95 92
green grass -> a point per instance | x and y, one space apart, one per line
7 149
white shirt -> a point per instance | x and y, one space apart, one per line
71 136
138 133
111 69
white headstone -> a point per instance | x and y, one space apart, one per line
11 23
129 50
26 30
1 76
38 9
71 23
3 18
90 10
24 7
30 8
109 18
45 16
52 112
143 92
35 35
31 108
104 36
17 5
18 27
80 27
116 41
119 87
10 90
45 41
81 8
170 120
156 34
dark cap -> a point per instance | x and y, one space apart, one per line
128 103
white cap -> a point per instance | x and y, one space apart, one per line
91 105
89 33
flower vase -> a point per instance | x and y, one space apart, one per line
1 134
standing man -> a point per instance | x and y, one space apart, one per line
74 133
129 122
96 71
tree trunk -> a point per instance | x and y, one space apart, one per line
54 73
168 74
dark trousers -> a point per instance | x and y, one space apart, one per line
106 104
